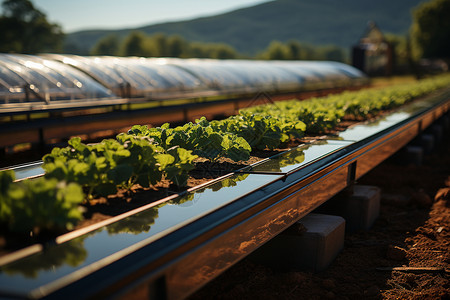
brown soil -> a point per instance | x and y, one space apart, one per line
413 230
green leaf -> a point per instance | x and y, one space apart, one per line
154 176
164 160
75 142
6 178
185 156
120 174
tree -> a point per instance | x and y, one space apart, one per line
223 51
402 52
333 53
108 45
197 50
431 29
160 42
24 29
135 45
177 45
295 50
276 51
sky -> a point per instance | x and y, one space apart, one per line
117 14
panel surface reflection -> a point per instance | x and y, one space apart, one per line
28 274
29 170
299 157
362 131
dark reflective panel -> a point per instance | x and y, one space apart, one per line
24 275
32 272
71 253
300 156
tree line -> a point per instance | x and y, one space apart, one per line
138 43
25 29
160 45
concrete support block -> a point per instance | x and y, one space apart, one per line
360 209
312 249
363 207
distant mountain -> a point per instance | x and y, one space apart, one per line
250 30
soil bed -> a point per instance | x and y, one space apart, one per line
413 231
124 201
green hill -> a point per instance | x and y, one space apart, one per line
250 30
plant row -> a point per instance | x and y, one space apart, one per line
146 156
324 113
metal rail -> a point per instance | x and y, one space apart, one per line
171 248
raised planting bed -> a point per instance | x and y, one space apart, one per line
176 244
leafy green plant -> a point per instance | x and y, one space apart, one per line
102 168
141 161
176 165
99 168
261 131
324 113
201 138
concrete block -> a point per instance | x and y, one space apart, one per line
311 250
366 206
360 209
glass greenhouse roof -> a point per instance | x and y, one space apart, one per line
33 78
65 77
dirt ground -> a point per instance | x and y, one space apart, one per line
412 231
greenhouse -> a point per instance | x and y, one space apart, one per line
52 77
25 78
